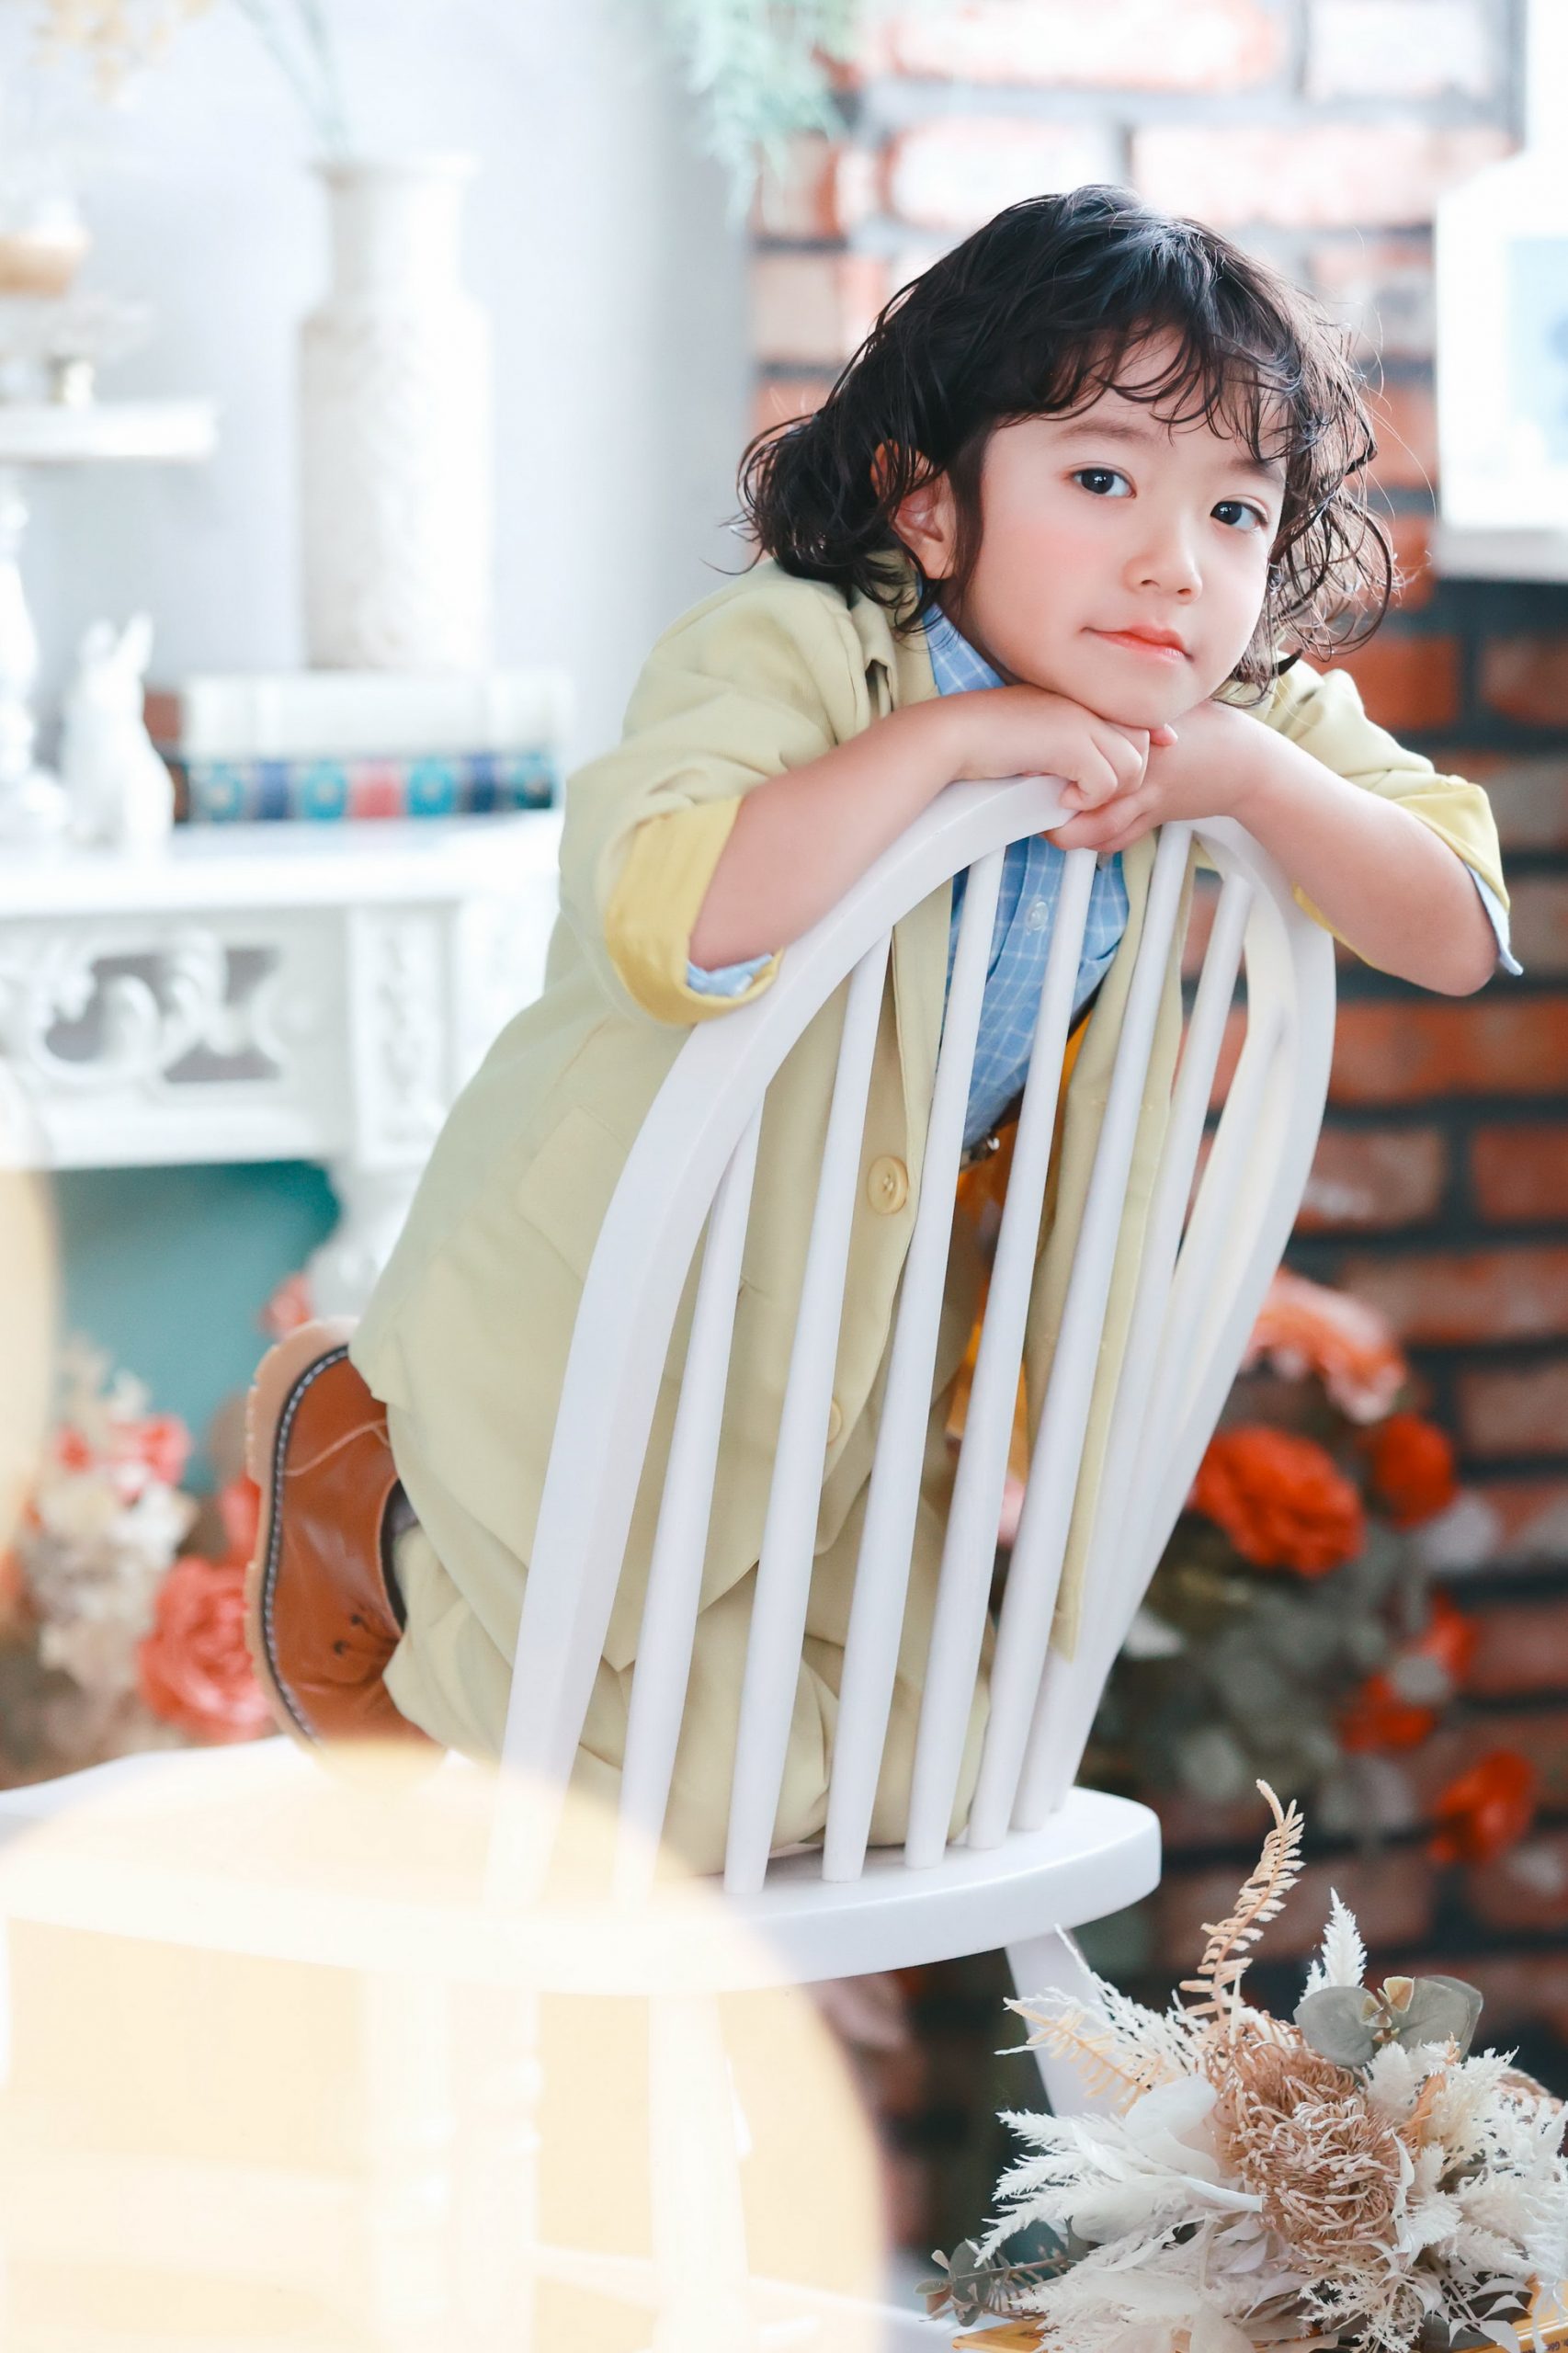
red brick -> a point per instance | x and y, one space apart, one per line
1404 419
1398 49
1515 1410
826 189
814 309
1382 175
1371 1180
779 400
1529 1518
1407 682
1521 1651
1381 288
1526 678
1520 1173
1530 800
956 171
1538 1733
1525 1889
1058 44
1540 911
1391 1897
1482 1045
1444 1297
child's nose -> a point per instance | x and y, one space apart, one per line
1168 561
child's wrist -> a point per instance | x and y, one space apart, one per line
934 734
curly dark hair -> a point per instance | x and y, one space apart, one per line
1037 313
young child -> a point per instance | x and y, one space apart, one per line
1089 489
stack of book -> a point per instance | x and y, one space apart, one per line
327 745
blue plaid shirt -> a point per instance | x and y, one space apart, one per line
1031 883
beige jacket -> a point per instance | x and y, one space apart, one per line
467 1333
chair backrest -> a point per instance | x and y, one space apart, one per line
1208 1256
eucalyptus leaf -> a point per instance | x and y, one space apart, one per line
1349 2026
1441 2009
1339 2021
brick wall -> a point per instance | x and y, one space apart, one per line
1319 132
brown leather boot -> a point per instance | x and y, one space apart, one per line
323 1614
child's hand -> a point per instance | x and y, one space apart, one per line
1024 731
1203 766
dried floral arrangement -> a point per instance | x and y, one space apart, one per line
120 38
1355 2180
111 1639
1295 1629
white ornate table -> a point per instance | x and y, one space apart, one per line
269 993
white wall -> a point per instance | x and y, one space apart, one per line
600 241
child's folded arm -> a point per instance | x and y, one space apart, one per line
1322 713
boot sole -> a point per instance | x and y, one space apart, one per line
282 1379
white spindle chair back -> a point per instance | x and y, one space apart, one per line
1207 1260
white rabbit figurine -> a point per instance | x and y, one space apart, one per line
119 791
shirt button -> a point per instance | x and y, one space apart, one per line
1038 916
887 1185
834 1422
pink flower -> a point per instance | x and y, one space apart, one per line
289 1306
194 1668
1306 1327
162 1442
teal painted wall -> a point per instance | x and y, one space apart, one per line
169 1269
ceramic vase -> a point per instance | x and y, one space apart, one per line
395 429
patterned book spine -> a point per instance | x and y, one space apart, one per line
227 792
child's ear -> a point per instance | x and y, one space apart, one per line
926 522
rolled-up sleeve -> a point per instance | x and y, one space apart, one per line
765 677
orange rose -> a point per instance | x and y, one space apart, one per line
194 1668
1413 1469
1486 1810
1306 1327
1280 1500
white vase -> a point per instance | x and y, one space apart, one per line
396 429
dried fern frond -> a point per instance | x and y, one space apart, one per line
1109 2067
1226 1955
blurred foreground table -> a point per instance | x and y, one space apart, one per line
270 992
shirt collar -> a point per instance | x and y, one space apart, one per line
954 665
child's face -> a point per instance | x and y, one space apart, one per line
1123 562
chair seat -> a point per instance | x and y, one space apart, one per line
256 1849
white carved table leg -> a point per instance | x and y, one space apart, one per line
373 1204
698 2221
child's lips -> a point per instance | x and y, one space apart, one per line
1159 649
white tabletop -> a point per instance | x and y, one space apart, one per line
38 433
288 864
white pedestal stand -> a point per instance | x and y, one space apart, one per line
42 433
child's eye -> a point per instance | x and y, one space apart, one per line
1103 481
1238 516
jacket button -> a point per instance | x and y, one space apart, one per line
834 1422
887 1185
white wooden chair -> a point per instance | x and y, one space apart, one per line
1040 1856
